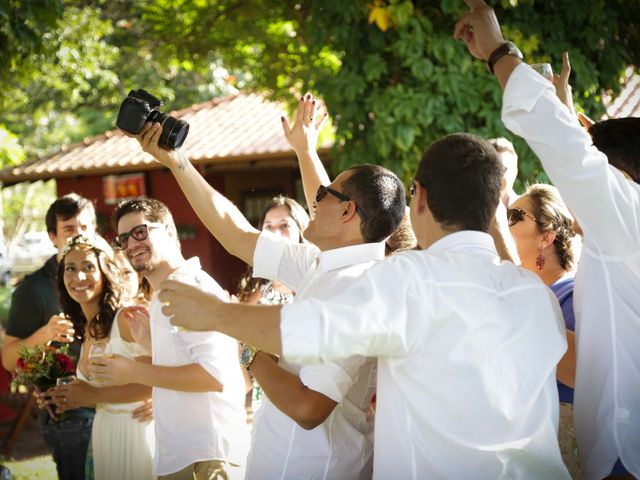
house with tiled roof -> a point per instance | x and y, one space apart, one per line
237 144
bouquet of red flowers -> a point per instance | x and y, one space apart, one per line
42 366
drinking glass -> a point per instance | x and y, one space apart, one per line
66 380
98 351
543 69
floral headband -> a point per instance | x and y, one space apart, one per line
95 242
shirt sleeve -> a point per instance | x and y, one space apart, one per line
28 311
275 258
605 203
369 318
213 351
333 379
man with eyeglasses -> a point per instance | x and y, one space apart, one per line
315 421
198 387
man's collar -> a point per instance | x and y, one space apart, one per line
464 240
351 255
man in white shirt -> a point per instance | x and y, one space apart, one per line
467 345
315 421
198 387
598 176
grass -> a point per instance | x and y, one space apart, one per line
37 468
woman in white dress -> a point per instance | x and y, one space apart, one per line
94 294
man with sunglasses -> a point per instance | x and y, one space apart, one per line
198 387
315 420
598 175
467 346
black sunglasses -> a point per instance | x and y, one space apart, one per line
322 192
515 215
139 232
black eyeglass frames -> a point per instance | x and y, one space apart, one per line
323 190
139 232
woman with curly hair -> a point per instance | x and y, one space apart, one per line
95 285
544 232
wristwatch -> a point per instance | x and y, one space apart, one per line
247 355
507 48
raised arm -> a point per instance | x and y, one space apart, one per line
480 30
303 137
601 198
221 217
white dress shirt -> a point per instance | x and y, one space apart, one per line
193 427
467 351
340 448
607 284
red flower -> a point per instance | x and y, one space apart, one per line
66 363
20 363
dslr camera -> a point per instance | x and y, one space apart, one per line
140 107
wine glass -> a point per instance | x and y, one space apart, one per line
66 380
98 351
543 69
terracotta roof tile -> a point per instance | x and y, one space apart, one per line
225 130
627 104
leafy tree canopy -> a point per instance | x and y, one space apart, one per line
389 70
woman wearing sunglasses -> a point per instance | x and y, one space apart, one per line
95 284
542 228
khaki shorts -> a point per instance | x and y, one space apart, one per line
209 470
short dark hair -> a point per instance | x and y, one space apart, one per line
462 174
619 140
154 210
380 197
66 207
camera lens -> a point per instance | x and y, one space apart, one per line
174 132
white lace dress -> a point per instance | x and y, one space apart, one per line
123 448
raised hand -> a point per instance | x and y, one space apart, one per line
311 117
148 139
561 83
60 329
480 30
189 307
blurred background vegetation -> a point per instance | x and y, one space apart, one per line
390 72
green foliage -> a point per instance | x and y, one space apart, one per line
390 71
11 152
25 206
5 303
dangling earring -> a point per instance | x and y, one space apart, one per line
540 259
